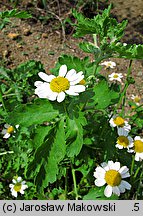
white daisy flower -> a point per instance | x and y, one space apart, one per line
137 148
115 76
8 130
119 122
17 186
108 64
136 99
55 88
123 140
112 174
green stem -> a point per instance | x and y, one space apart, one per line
66 183
123 94
1 99
132 165
136 173
8 152
74 182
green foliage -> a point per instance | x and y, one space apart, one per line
97 194
58 146
47 157
37 113
6 15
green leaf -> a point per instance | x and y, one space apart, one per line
15 13
128 51
40 111
72 62
98 194
47 157
74 135
104 96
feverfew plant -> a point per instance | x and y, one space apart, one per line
73 120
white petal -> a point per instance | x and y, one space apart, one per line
125 175
126 185
100 182
117 166
122 132
137 157
4 131
63 70
11 186
75 89
99 172
119 146
23 187
19 179
137 138
38 83
21 191
123 170
116 190
14 181
61 97
121 188
6 136
52 96
43 91
77 80
14 193
17 126
105 166
71 74
108 191
7 125
111 164
46 77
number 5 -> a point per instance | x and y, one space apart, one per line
136 207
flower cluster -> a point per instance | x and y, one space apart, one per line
124 140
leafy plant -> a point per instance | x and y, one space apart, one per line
77 123
6 15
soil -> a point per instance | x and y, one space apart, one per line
44 39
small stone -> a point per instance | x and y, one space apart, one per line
44 35
13 36
26 32
140 73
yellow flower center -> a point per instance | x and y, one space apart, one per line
137 99
82 82
115 76
119 121
17 187
113 178
59 84
138 146
10 129
123 141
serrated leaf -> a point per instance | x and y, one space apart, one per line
40 111
104 96
48 156
74 135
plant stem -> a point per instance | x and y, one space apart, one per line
8 152
1 99
74 182
123 94
132 165
66 183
